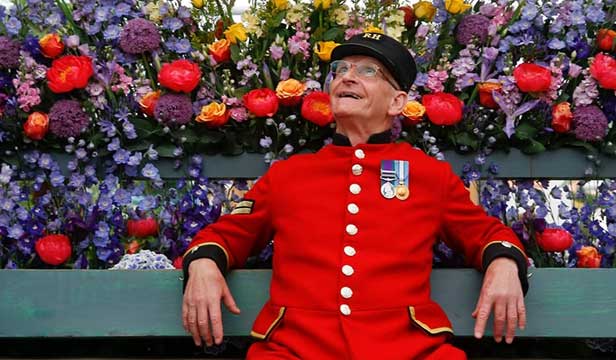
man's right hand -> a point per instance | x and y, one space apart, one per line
201 313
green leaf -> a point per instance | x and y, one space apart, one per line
525 131
188 135
333 34
532 147
138 146
165 150
464 138
211 137
235 53
277 20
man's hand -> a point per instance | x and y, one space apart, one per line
201 314
502 291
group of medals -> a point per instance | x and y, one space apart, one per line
395 179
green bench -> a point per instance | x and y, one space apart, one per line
123 306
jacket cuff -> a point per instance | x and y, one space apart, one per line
498 249
210 251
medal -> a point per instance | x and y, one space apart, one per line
388 178
402 192
388 191
402 175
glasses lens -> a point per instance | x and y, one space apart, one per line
367 70
340 67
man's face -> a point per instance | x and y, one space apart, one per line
362 98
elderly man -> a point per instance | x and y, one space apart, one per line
354 226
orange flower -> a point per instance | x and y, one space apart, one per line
605 39
148 102
142 227
290 92
261 102
220 50
562 117
68 73
132 247
36 126
603 68
180 75
51 45
413 113
213 115
485 94
588 257
554 240
443 108
532 78
53 249
316 108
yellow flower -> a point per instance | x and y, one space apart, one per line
341 15
214 114
152 10
198 4
414 110
456 6
253 24
424 10
373 29
290 92
236 32
323 4
280 4
324 49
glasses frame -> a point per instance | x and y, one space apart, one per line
352 65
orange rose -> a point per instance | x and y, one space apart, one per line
36 126
316 108
53 249
180 75
532 78
588 257
213 115
603 68
51 45
561 117
413 113
220 50
261 102
443 108
290 92
485 94
69 72
605 39
148 102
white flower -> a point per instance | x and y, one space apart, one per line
341 15
252 24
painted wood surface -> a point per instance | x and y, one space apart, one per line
106 303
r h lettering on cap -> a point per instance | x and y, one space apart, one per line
372 36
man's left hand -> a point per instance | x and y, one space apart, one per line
501 291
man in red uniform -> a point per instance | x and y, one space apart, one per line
354 226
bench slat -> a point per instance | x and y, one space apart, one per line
575 303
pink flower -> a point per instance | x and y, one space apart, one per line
435 80
239 114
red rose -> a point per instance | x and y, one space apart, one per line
69 72
562 117
605 39
603 68
180 75
148 102
485 94
532 78
53 249
220 50
36 126
554 240
443 108
261 102
51 45
142 227
409 15
316 108
588 257
178 262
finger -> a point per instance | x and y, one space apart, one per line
193 329
204 325
185 316
512 321
229 302
521 314
500 315
216 321
481 314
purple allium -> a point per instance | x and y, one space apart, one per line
589 123
67 118
139 36
173 109
9 53
472 26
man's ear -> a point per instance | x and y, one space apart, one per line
397 103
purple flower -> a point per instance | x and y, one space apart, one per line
139 36
112 32
172 23
13 26
67 119
472 27
173 109
9 53
589 123
150 171
609 106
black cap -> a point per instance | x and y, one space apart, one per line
389 51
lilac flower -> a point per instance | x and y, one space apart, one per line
172 109
589 123
108 128
135 159
121 156
129 130
151 153
472 27
150 171
9 53
139 36
67 119
276 52
556 44
183 46
13 25
172 23
56 179
147 203
112 32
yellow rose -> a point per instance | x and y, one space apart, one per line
236 32
198 4
324 49
424 10
414 111
456 6
323 4
213 115
373 29
290 92
280 4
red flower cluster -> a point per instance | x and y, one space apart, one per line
532 78
142 227
316 108
603 68
68 73
180 75
554 240
443 108
53 249
261 102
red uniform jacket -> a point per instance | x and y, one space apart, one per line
351 269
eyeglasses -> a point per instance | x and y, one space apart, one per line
341 67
